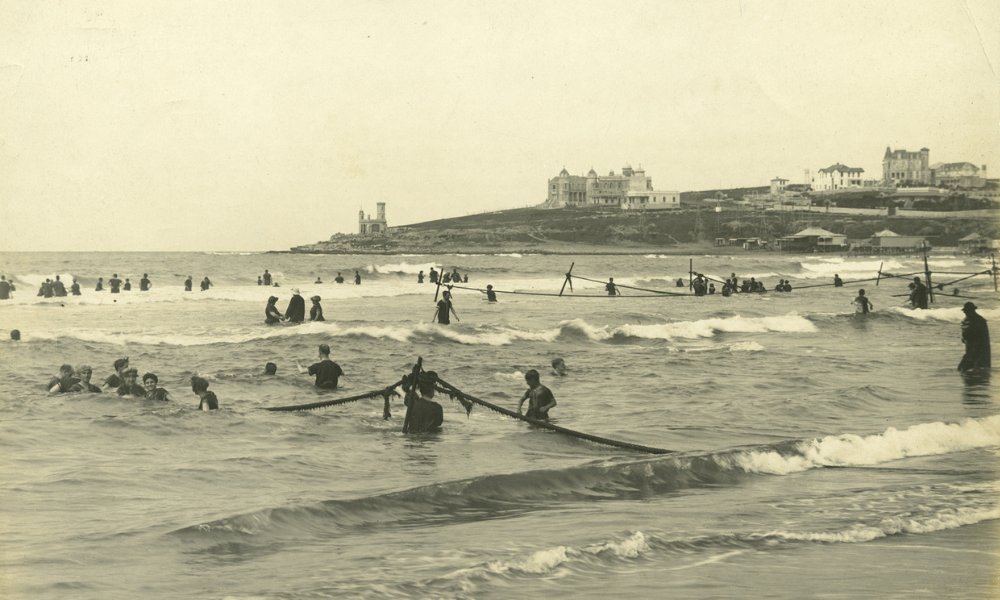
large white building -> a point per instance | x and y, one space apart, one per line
837 177
631 190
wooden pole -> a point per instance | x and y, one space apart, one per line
568 280
438 290
690 274
994 269
877 279
927 276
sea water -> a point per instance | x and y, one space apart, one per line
816 452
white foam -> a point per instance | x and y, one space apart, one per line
402 267
940 521
848 450
952 314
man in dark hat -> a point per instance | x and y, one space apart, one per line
976 335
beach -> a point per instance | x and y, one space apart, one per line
813 451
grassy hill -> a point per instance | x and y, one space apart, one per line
600 230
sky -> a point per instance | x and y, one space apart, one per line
224 125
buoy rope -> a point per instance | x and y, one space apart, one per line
385 393
446 388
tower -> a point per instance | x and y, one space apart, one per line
381 211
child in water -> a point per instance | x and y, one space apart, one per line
862 305
540 398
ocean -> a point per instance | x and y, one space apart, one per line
815 452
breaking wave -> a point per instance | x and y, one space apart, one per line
490 495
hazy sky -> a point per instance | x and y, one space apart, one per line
217 125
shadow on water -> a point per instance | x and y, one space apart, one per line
977 389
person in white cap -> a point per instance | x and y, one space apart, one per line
296 311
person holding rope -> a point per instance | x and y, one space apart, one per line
491 296
423 415
918 295
540 398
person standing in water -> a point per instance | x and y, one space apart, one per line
423 415
339 278
296 311
976 336
420 276
128 285
837 281
188 284
316 312
115 284
918 297
206 399
75 288
540 398
206 283
491 296
100 285
433 276
145 284
611 288
357 278
326 371
445 309
862 305
267 278
4 288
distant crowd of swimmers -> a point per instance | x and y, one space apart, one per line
125 383
445 277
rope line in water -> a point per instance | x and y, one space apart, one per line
632 287
450 390
460 287
385 393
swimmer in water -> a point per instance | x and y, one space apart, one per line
116 379
100 285
188 283
271 313
316 312
339 278
84 373
150 381
270 369
130 387
862 305
75 288
318 280
15 335
491 296
64 382
206 283
540 398
144 283
558 367
206 399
